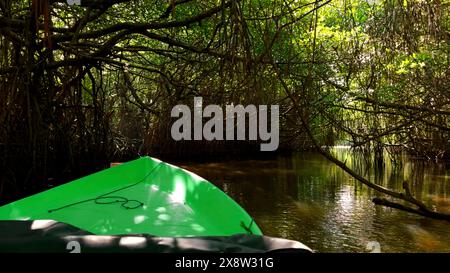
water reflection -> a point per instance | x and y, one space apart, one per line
306 198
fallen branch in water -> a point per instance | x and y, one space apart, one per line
421 209
426 213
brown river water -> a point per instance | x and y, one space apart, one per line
306 198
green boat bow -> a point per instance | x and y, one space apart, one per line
143 196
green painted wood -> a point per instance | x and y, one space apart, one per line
145 195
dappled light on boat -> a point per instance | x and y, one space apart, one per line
179 193
94 240
140 218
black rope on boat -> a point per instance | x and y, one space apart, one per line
103 199
248 228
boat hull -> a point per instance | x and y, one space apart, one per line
143 196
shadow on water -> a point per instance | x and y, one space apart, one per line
306 198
